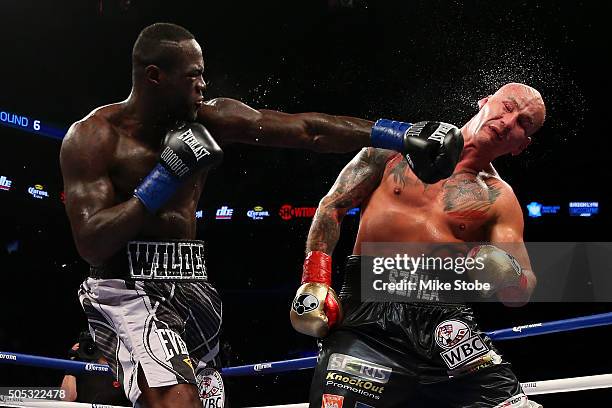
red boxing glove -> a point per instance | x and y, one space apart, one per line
316 307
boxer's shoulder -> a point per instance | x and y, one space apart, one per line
92 138
494 181
505 198
97 127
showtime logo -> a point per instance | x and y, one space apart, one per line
288 212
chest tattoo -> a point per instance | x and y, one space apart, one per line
399 170
468 197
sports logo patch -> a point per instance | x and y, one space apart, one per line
464 352
210 388
449 333
332 401
359 368
172 343
518 401
304 303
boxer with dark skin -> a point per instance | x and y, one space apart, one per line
108 153
105 155
472 205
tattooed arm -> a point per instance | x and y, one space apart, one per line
355 183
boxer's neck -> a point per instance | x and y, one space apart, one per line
148 120
472 158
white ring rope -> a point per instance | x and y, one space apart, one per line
589 382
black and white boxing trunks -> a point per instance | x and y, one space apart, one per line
152 307
393 354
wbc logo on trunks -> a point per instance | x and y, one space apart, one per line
211 388
304 303
449 333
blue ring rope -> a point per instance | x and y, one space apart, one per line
511 333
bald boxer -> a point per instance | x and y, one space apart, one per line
133 174
390 354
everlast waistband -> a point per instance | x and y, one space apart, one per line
174 260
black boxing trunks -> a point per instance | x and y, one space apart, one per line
152 307
392 354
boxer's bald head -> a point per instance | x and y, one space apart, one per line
527 97
506 120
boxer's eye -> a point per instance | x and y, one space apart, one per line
508 106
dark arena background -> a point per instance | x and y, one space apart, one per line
406 60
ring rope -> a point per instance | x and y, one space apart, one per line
511 333
530 388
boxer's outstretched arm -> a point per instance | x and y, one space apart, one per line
100 226
354 184
231 121
506 233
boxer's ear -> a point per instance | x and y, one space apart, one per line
153 74
482 102
522 147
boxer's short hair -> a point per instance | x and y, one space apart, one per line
157 45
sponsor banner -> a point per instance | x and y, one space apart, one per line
6 356
519 329
464 272
38 191
96 368
583 209
536 210
517 401
224 213
262 366
257 213
288 212
359 368
357 385
5 183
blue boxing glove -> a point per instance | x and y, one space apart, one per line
432 149
184 151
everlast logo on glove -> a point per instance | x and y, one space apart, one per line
432 150
198 150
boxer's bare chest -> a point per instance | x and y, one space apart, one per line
459 208
132 161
